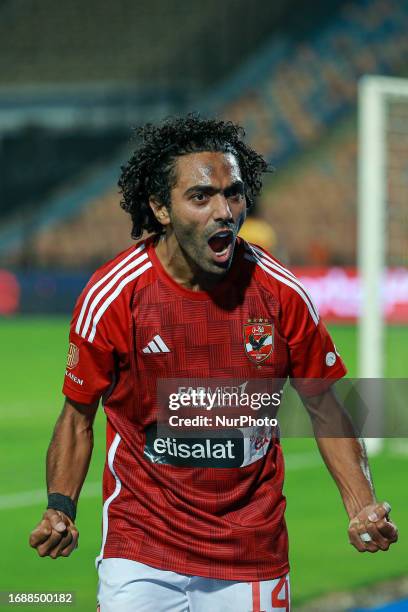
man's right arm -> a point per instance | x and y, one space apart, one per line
68 459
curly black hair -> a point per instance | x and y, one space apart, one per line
150 172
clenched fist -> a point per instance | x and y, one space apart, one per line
55 536
371 530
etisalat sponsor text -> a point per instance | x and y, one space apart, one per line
207 400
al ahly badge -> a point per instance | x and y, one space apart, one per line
258 339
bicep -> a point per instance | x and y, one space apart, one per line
323 402
328 415
80 416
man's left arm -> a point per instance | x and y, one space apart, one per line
370 529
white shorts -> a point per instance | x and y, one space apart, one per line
129 586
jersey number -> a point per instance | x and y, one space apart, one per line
277 601
281 588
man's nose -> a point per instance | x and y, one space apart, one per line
222 210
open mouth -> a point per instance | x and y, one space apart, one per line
221 244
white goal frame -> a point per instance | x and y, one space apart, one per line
373 94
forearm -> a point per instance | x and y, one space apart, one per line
69 454
342 451
347 462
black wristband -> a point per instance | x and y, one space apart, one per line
57 501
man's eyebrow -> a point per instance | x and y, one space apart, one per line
237 185
200 189
210 189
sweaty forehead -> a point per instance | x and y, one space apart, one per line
207 168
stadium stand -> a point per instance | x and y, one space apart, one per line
156 43
307 85
312 203
93 236
288 97
33 161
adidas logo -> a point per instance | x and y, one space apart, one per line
157 345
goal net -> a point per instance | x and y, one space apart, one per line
383 231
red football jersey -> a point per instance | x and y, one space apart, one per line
134 325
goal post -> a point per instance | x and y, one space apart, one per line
376 95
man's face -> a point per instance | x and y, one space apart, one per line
207 209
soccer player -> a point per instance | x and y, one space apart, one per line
185 527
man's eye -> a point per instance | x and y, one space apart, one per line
200 197
238 195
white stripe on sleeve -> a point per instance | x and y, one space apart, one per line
107 288
289 283
101 281
280 270
114 295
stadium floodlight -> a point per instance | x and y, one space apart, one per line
383 115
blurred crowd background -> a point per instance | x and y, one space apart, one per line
75 77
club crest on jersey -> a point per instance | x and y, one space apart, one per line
258 339
73 356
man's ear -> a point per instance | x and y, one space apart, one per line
160 211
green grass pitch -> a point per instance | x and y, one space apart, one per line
33 359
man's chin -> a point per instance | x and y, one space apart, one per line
210 265
216 268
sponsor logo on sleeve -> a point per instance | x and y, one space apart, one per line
73 356
330 359
75 379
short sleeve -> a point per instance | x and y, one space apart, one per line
90 367
315 363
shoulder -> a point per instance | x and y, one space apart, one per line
277 279
110 288
123 264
